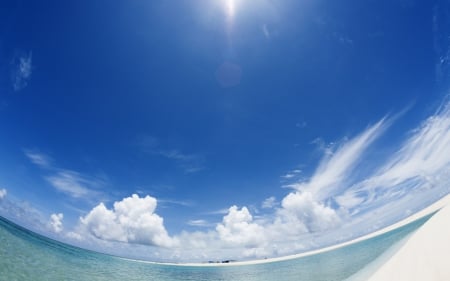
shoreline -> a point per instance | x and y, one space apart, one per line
436 206
424 256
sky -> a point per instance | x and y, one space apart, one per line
209 130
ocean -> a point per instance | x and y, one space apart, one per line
25 255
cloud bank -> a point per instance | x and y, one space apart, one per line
338 201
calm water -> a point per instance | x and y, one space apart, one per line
27 256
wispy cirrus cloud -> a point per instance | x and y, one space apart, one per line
441 43
291 174
265 31
184 203
421 162
39 159
199 223
72 183
218 212
189 163
336 167
22 69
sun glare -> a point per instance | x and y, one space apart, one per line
230 8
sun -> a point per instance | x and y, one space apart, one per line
230 8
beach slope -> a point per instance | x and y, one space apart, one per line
425 256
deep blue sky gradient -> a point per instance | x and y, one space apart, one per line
127 94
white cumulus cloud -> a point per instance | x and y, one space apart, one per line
300 208
56 222
237 228
131 220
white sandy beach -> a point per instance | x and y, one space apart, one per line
424 256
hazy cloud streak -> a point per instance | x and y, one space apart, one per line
3 193
22 70
39 159
66 181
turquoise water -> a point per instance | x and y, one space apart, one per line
25 255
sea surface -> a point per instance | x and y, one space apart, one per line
25 255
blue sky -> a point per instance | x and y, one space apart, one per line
246 129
